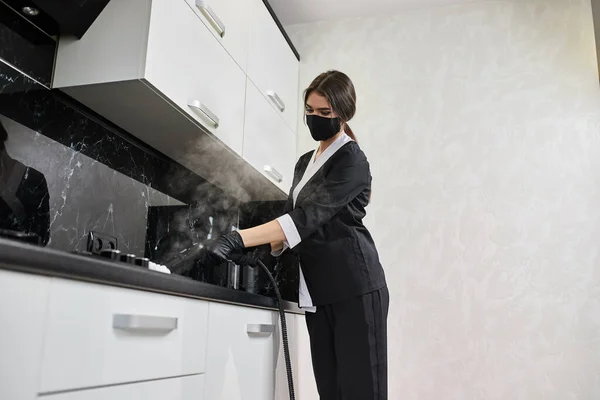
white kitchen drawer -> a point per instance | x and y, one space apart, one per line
185 388
229 22
186 64
272 65
23 299
240 365
86 343
269 144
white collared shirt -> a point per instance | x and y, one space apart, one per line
287 224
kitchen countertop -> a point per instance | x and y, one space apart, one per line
26 258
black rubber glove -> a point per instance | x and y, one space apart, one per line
249 257
228 247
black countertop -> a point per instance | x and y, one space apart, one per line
20 257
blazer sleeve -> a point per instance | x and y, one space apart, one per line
286 209
289 204
348 177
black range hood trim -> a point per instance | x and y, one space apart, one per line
60 17
74 17
596 20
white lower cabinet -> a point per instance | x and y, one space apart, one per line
23 300
185 388
240 361
69 340
102 335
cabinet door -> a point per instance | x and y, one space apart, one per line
194 71
101 335
240 361
23 300
272 65
229 22
269 144
186 388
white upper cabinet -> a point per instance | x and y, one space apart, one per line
173 73
188 66
269 144
229 22
272 65
146 48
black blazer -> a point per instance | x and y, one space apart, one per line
337 254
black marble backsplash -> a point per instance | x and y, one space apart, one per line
66 171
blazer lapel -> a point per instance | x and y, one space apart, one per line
310 186
310 182
299 173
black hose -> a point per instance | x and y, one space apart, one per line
284 335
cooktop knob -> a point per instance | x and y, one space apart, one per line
128 258
110 254
142 262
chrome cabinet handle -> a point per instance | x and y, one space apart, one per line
276 100
260 329
212 117
273 173
146 323
211 16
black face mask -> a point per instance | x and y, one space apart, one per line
322 128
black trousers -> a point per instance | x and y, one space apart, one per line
348 342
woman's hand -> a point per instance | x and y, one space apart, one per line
228 247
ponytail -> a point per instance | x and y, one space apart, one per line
349 132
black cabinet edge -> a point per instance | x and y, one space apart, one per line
19 257
596 22
283 32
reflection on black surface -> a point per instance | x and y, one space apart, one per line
175 233
24 198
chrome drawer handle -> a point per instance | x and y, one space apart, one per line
260 329
276 100
273 173
146 323
212 117
211 16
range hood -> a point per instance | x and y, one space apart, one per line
60 17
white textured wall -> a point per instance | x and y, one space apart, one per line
481 123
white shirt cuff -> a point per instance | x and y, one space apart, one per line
277 253
289 230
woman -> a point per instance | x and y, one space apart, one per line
342 284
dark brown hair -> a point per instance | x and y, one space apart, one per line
339 91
